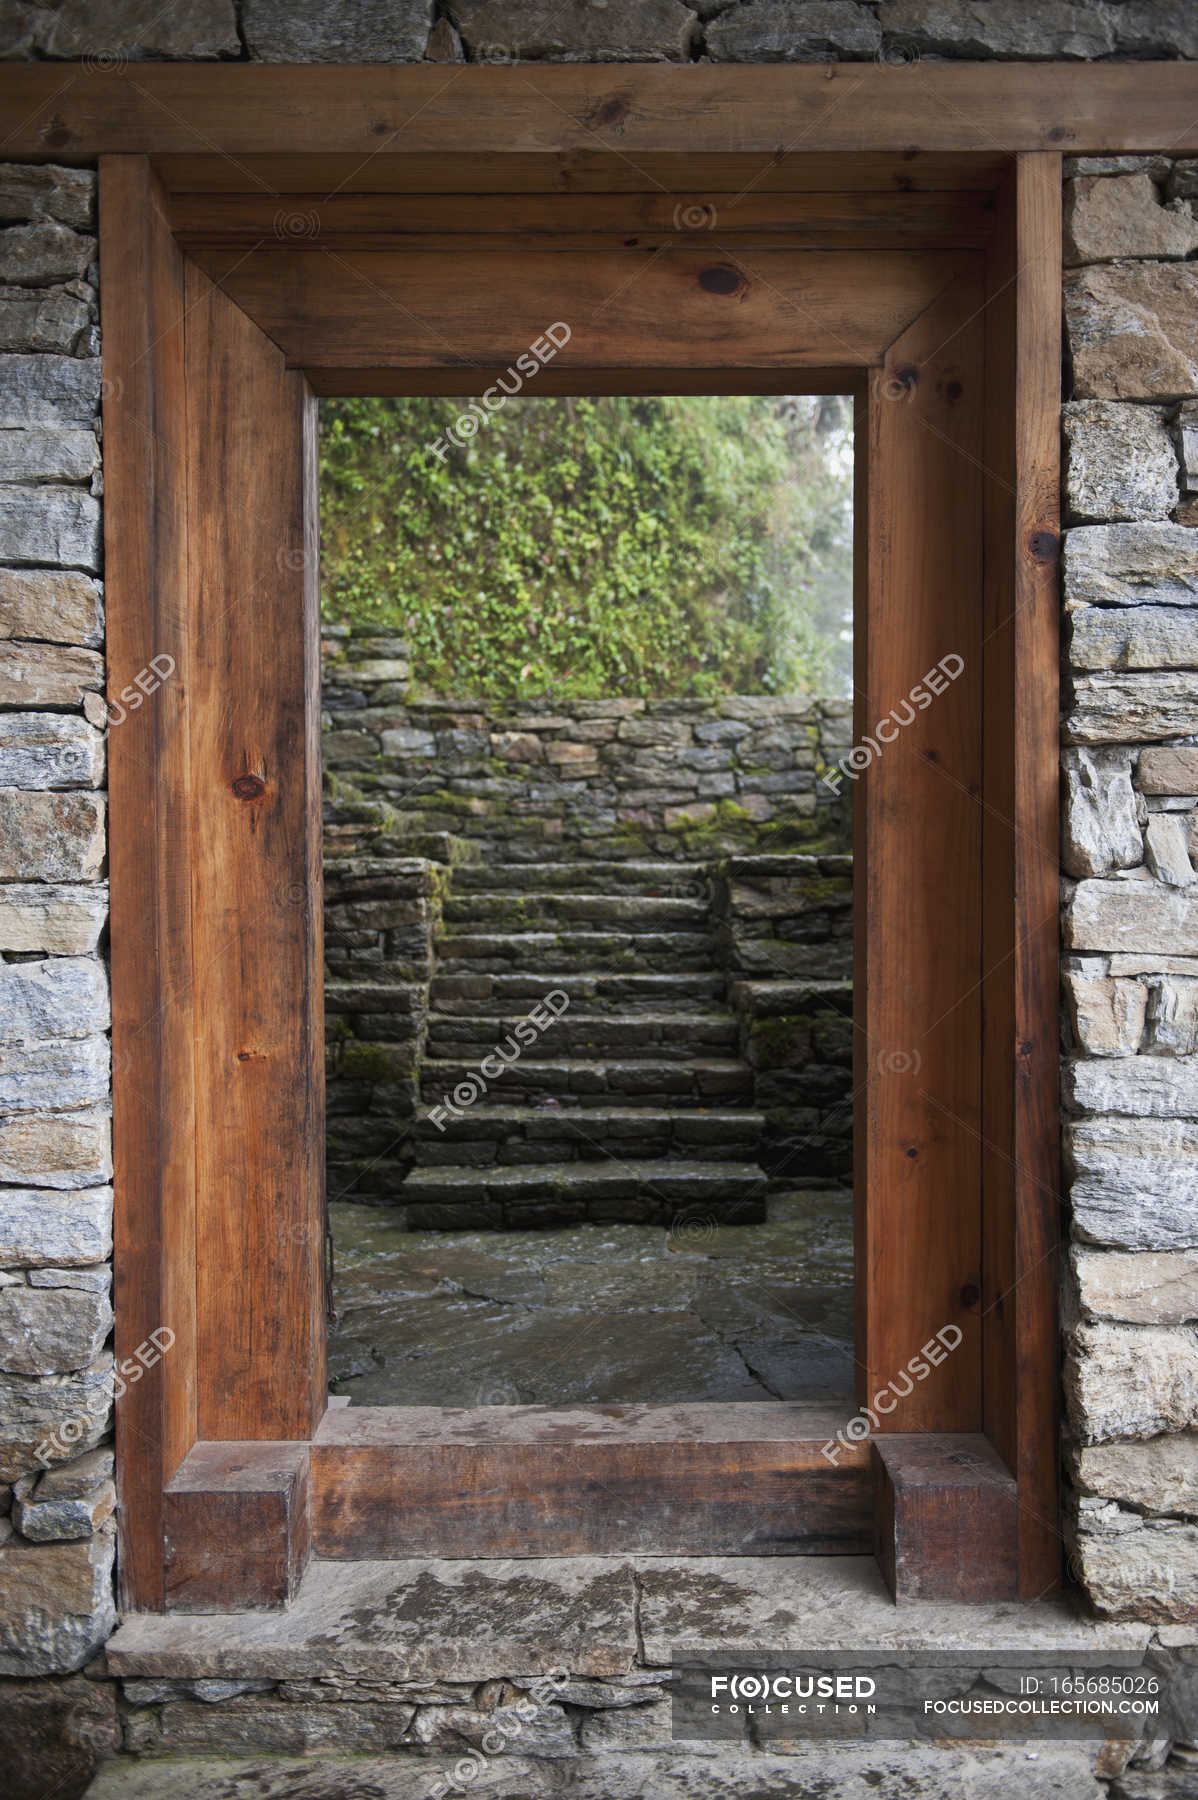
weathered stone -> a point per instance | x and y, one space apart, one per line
1107 1016
1172 1018
61 1073
63 921
316 31
1099 828
50 1419
50 836
47 1517
1172 770
49 525
1136 1086
40 455
47 191
1155 28
42 254
1124 217
1119 461
56 1604
58 605
1185 432
87 1281
64 1150
1159 1476
1131 565
53 1734
1136 1568
35 674
52 319
1151 1288
530 30
1133 1184
1140 637
49 750
51 1331
60 998
1165 849
1133 915
44 1226
1133 331
793 31
48 390
1021 29
1130 1381
1117 708
135 29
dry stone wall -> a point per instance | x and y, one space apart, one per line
1129 850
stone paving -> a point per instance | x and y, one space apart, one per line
598 1313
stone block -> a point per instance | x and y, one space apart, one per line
1099 828
64 920
61 998
1120 462
62 1073
1134 1086
49 525
1133 331
67 1503
40 455
1172 1017
1136 1568
1122 709
1156 1476
31 191
137 29
60 606
49 319
1139 637
49 750
1140 564
1019 29
1124 217
34 674
56 1150
56 1603
51 837
794 31
1135 915
51 1331
1165 851
51 1227
1107 1017
1131 1381
1147 1288
48 390
535 30
1132 1181
38 255
327 31
1168 770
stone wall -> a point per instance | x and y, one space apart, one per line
57 1497
1131 901
555 779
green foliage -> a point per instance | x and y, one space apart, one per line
595 547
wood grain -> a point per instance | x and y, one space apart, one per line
918 1069
149 780
946 1519
255 855
63 111
236 1527
624 308
731 1480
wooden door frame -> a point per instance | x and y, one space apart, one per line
223 1439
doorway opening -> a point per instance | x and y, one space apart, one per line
587 699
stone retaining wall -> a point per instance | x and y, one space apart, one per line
552 779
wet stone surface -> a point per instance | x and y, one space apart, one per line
598 1313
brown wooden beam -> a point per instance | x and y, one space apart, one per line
721 1480
62 110
946 1520
236 1525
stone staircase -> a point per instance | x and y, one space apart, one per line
633 1104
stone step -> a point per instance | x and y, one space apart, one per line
539 1134
686 880
676 1036
631 912
486 996
640 1081
661 1191
513 952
